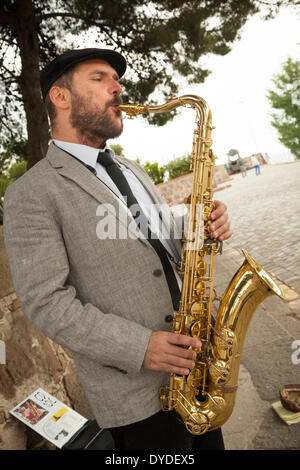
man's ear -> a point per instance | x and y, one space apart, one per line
60 97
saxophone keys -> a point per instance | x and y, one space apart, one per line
199 424
200 288
201 268
216 297
194 379
197 309
219 371
196 329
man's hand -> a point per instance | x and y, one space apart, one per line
166 353
220 226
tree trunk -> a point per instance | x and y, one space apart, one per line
36 117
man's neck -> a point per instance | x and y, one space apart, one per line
76 138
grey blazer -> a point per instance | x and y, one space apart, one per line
102 299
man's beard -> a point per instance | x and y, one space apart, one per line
94 125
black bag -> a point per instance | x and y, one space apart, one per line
91 437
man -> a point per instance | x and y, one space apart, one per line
255 164
242 167
106 299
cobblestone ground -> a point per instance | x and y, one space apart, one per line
265 217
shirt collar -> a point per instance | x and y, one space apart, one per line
85 153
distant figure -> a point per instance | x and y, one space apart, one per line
256 165
242 167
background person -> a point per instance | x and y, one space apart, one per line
256 164
242 167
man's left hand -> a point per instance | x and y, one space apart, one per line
220 226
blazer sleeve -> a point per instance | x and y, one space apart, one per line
40 269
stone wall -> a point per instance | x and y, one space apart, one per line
174 191
248 163
221 175
32 361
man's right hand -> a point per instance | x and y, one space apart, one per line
166 352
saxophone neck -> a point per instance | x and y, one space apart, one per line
192 101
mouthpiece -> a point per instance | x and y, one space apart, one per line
133 109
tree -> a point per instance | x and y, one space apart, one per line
160 39
286 100
178 167
16 170
181 166
118 149
15 150
156 172
7 177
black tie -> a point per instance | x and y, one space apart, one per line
117 176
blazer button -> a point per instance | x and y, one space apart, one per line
169 318
157 272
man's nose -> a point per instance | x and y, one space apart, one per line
116 88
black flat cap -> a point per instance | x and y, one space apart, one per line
65 61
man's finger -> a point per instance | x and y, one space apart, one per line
174 369
184 340
219 222
178 361
225 235
219 209
221 230
181 352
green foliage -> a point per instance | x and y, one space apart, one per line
118 149
178 167
16 170
285 99
4 183
4 162
181 166
13 172
16 149
156 173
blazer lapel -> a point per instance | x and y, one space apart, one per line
72 169
167 214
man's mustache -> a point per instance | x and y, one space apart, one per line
115 102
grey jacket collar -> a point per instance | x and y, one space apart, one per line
72 169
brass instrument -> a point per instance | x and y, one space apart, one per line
204 399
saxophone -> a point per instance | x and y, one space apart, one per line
204 399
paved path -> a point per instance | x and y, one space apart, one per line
265 215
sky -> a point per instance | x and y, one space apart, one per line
236 93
